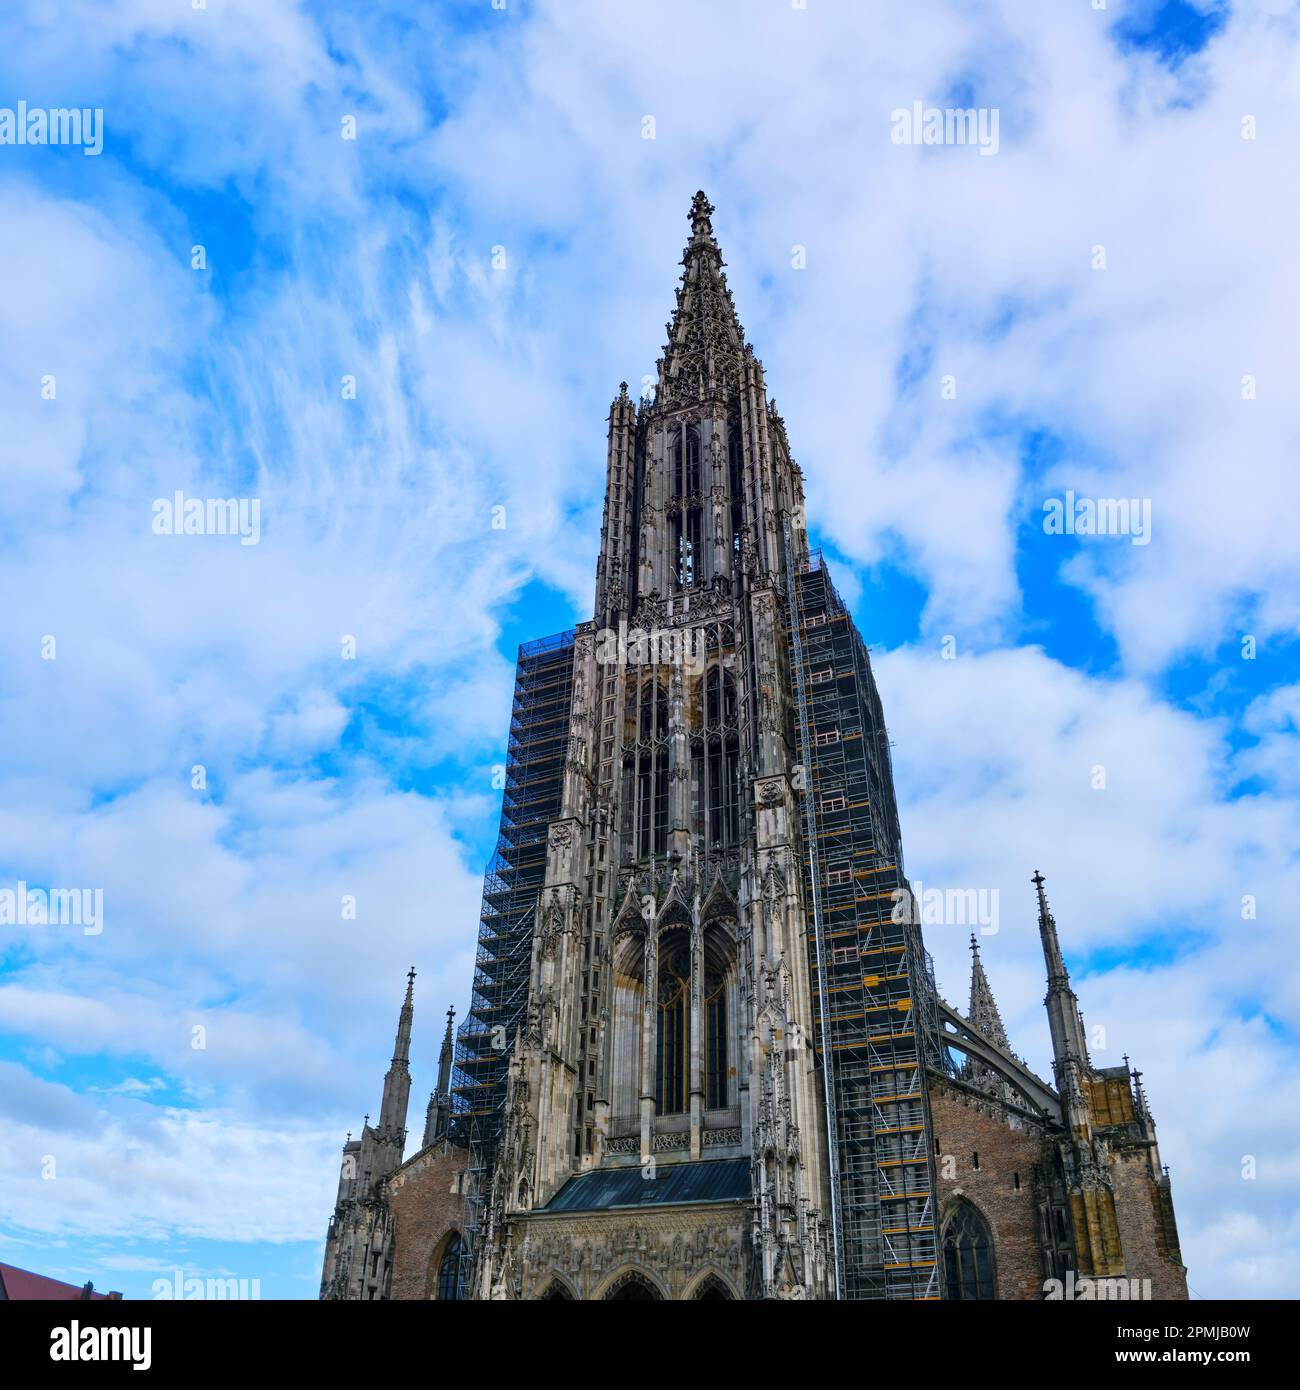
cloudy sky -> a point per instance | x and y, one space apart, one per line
1105 305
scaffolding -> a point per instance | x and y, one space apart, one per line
534 778
874 1002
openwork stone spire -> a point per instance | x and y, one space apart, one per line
983 1011
705 340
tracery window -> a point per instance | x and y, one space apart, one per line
449 1270
736 478
688 546
968 1255
720 793
651 769
715 1040
671 1051
685 467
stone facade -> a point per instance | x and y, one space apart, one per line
674 1255
989 1157
429 1198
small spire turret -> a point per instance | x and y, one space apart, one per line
438 1115
397 1083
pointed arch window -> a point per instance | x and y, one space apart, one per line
684 461
968 1255
715 1040
449 1270
671 1051
651 768
736 478
692 462
688 546
720 795
654 711
720 697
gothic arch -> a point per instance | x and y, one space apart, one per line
630 1283
970 1269
446 1269
557 1290
673 1039
628 1000
720 1015
720 906
710 1285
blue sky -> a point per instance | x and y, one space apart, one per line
489 257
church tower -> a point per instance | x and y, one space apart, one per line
665 1116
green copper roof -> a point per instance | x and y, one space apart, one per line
725 1180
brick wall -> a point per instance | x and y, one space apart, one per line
1137 1210
963 1128
426 1204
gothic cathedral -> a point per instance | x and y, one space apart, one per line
705 1056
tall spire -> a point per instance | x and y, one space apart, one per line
1057 974
397 1084
1069 1043
706 343
983 1011
439 1111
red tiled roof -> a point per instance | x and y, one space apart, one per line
18 1283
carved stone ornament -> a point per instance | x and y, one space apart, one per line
771 793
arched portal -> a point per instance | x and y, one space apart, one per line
632 1287
710 1288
